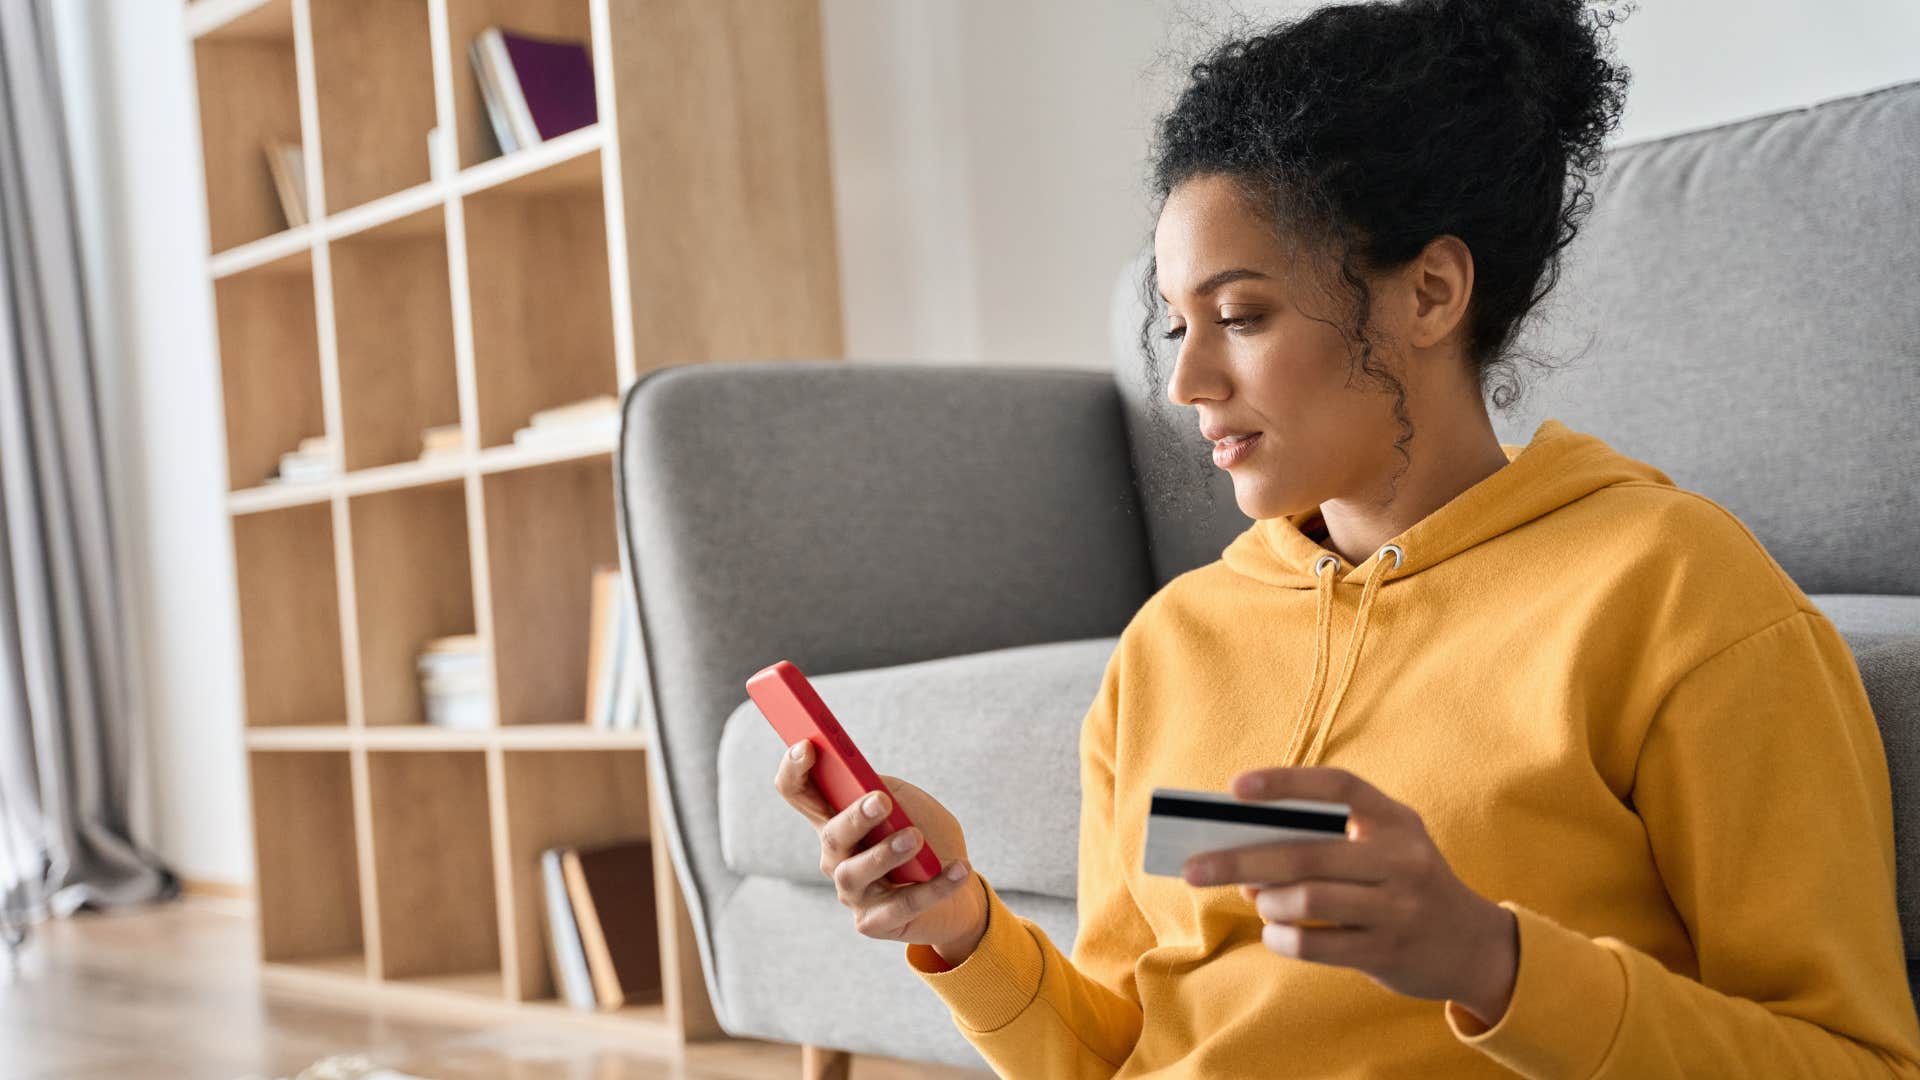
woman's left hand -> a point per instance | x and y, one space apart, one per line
1387 902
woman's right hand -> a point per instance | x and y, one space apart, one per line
947 913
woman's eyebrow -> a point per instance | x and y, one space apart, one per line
1225 277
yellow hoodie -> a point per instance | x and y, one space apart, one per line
1617 717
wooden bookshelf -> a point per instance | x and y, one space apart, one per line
438 282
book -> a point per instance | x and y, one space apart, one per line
488 54
556 82
611 887
603 629
455 688
312 460
618 692
594 408
437 441
293 469
564 951
287 164
535 88
635 693
600 429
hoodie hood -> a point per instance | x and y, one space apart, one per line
1555 468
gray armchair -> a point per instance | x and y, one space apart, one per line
950 552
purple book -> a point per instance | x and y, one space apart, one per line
556 81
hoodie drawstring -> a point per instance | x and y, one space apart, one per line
1350 659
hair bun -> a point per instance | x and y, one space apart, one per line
1553 56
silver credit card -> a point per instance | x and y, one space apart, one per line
1183 823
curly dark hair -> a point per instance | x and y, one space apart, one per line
1365 130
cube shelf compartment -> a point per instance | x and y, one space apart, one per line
433 863
269 365
249 95
552 798
393 856
393 316
547 528
290 617
563 19
412 583
308 860
542 308
373 85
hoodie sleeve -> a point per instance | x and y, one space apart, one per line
1028 1009
1763 786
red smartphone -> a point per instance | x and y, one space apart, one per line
840 771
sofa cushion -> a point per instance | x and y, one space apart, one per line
793 969
1853 613
995 736
1890 668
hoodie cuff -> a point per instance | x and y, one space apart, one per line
997 981
1569 996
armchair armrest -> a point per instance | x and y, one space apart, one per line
856 515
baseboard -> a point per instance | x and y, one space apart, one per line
224 890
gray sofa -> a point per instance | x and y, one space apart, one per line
951 551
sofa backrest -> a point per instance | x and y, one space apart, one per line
1739 310
1747 301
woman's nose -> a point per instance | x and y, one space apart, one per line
1196 375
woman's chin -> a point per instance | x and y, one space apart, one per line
1258 498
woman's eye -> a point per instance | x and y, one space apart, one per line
1174 333
1244 322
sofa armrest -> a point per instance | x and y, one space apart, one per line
847 516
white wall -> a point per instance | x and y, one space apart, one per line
140 183
1025 125
988 159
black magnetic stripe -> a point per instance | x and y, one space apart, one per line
1251 814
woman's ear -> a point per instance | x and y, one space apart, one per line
1442 284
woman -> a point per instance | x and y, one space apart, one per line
1619 806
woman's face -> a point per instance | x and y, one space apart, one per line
1257 353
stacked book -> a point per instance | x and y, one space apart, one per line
602 937
535 88
440 441
312 461
287 164
619 692
454 688
589 420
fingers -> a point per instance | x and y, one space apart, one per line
1323 782
1339 903
889 916
840 837
1338 946
794 782
855 876
1278 864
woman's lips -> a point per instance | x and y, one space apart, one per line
1228 454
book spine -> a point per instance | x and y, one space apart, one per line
563 936
593 937
485 47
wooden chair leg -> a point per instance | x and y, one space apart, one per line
819 1063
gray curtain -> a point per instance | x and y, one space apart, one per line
66 700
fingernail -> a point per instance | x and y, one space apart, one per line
1199 873
902 842
797 749
872 805
957 871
